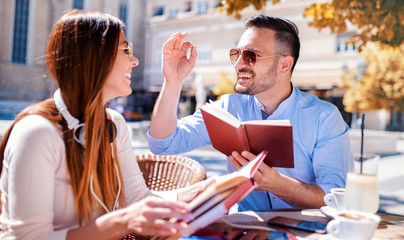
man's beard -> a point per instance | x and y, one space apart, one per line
260 84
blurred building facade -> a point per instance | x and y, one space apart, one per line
25 27
323 58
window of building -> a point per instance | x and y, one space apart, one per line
204 52
172 11
158 11
123 12
158 58
78 4
219 4
20 32
343 46
202 7
188 6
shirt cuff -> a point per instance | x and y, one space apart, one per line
327 187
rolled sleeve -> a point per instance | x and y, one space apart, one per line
159 145
332 154
189 135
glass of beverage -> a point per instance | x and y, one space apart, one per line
361 184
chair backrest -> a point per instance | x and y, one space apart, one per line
168 172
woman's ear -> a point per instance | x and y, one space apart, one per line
286 64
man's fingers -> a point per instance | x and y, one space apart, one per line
178 40
170 43
237 159
248 155
193 56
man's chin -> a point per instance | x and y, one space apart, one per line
240 89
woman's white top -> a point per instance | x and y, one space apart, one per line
37 197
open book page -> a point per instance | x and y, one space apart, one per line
221 114
225 133
230 181
282 122
217 199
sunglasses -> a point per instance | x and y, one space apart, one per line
250 57
128 50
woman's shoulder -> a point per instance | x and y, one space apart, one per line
35 135
115 116
37 124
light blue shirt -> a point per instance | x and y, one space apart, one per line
320 141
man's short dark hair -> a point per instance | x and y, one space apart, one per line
286 36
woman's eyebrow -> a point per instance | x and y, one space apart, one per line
125 43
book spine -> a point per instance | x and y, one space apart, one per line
245 189
243 138
212 215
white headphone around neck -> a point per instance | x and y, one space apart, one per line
72 122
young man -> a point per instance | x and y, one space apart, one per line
264 60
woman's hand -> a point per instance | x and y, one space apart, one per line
176 66
151 217
187 194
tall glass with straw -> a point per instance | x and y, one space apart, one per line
361 186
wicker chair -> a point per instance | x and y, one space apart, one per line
168 172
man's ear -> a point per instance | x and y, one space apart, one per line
286 64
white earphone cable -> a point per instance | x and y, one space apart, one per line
119 189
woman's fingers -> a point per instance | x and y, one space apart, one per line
158 217
159 202
166 213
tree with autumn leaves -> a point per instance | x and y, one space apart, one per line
380 86
377 20
379 38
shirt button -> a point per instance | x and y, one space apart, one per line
274 198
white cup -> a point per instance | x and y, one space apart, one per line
335 199
353 225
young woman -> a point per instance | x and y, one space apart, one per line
68 170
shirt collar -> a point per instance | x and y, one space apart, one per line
284 105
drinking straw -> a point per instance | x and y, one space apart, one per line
362 129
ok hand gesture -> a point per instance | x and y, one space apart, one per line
176 66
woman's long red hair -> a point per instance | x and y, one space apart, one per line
80 54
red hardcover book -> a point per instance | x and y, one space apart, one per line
228 134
